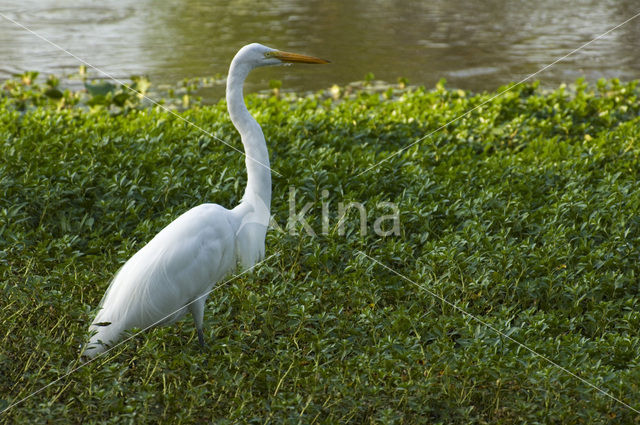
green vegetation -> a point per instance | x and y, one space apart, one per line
524 213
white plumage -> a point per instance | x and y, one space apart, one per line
159 284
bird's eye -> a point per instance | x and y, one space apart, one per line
268 54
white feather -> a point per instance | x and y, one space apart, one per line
174 272
178 265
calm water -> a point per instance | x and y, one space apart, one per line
477 45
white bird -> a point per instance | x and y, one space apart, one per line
174 272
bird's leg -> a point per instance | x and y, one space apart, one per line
197 310
201 338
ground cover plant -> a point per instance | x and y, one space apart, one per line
523 213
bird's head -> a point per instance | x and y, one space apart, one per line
256 55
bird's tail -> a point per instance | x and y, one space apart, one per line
102 334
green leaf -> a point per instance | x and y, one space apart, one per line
53 93
101 88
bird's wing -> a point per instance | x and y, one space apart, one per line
180 263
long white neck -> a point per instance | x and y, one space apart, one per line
255 147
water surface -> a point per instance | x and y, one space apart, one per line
476 45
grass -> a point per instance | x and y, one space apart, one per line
523 213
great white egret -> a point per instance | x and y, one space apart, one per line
172 273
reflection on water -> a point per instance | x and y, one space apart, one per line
477 45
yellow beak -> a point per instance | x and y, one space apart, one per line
296 58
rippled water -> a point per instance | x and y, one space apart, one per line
477 45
